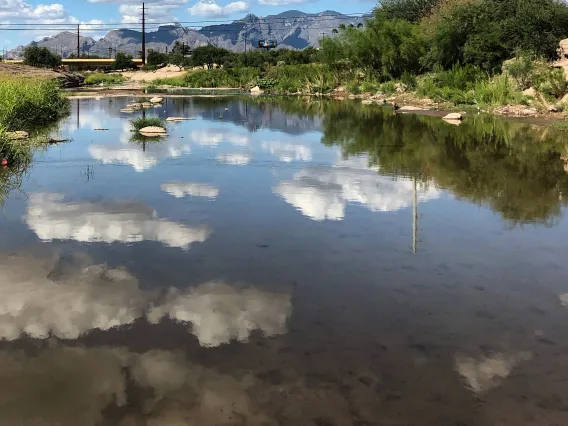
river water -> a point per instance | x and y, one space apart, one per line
285 262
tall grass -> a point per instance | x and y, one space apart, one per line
99 77
29 103
222 78
169 81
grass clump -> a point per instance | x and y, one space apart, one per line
99 77
141 122
26 104
169 81
225 78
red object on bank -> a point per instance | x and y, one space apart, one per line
4 162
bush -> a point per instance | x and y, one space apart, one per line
497 91
552 83
156 58
123 62
388 88
40 57
99 77
27 103
141 122
369 87
521 70
215 78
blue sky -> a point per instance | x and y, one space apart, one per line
92 13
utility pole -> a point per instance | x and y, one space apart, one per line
110 52
414 218
143 34
78 42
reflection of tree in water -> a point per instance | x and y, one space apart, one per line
516 168
10 180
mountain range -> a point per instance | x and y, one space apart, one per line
292 29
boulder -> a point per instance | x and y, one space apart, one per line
134 105
367 102
127 110
410 108
148 105
157 100
153 131
563 49
553 108
256 90
531 91
564 98
19 135
453 116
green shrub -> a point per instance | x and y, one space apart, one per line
369 87
226 78
123 61
27 103
409 80
388 88
168 81
141 122
99 77
552 83
521 70
497 91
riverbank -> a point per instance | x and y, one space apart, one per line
26 105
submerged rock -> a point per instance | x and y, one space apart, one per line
157 100
256 90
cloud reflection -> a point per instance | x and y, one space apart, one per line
86 386
71 297
287 152
323 192
181 189
219 313
488 372
52 218
215 136
234 159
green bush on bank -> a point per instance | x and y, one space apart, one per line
27 103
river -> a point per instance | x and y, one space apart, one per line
286 262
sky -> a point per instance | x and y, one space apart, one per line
92 13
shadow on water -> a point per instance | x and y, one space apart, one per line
284 262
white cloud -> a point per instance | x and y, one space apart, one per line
210 9
219 313
51 218
323 192
181 189
284 2
488 372
288 152
234 159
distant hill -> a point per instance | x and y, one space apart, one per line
291 29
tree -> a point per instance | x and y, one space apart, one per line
123 61
40 57
156 58
409 10
209 55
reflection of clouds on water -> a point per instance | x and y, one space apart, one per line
322 192
134 154
287 152
71 297
215 136
488 372
181 189
75 386
51 218
234 159
83 298
220 313
564 299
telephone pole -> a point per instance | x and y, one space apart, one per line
78 42
246 49
143 34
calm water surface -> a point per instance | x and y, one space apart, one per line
278 262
